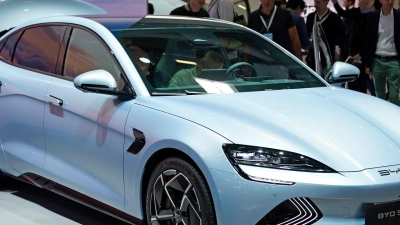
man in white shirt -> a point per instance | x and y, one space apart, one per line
383 47
221 9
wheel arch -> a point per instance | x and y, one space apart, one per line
154 160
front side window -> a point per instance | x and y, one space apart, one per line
38 48
85 53
191 57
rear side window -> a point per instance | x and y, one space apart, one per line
8 48
38 48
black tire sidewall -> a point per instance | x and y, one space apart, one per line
200 186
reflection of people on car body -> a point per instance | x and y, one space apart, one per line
184 77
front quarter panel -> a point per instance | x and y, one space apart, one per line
163 130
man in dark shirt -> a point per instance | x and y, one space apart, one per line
192 8
332 26
348 23
356 44
276 23
296 7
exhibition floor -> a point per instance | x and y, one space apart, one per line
24 204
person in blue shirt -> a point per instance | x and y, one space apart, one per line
296 7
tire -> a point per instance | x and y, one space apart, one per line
178 195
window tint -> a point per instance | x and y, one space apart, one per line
2 43
38 48
85 53
8 48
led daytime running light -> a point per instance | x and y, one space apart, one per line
272 181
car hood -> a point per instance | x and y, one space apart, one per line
346 130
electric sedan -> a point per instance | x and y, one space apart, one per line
172 120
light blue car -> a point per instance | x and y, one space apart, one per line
170 120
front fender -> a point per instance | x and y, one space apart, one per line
162 130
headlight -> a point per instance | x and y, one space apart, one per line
272 158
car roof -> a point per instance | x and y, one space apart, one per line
166 21
16 12
116 23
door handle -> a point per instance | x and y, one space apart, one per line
59 101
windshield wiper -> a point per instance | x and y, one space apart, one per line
167 94
176 93
194 92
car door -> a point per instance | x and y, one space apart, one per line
28 61
84 131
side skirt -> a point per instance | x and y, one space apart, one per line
76 196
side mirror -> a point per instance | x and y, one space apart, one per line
342 72
96 81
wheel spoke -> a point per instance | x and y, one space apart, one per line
192 203
175 189
160 201
158 189
154 221
165 214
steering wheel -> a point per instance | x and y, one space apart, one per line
233 67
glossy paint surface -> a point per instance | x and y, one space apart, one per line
82 144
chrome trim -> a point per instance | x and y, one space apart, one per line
306 209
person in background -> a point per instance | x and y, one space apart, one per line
277 24
150 8
184 77
383 47
348 24
281 3
221 9
332 26
370 83
192 8
356 38
142 59
377 5
296 7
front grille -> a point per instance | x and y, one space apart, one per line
292 211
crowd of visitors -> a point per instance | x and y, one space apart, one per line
365 31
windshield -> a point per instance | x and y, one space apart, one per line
194 56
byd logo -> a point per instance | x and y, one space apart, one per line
389 172
388 214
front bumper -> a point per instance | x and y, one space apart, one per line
340 197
